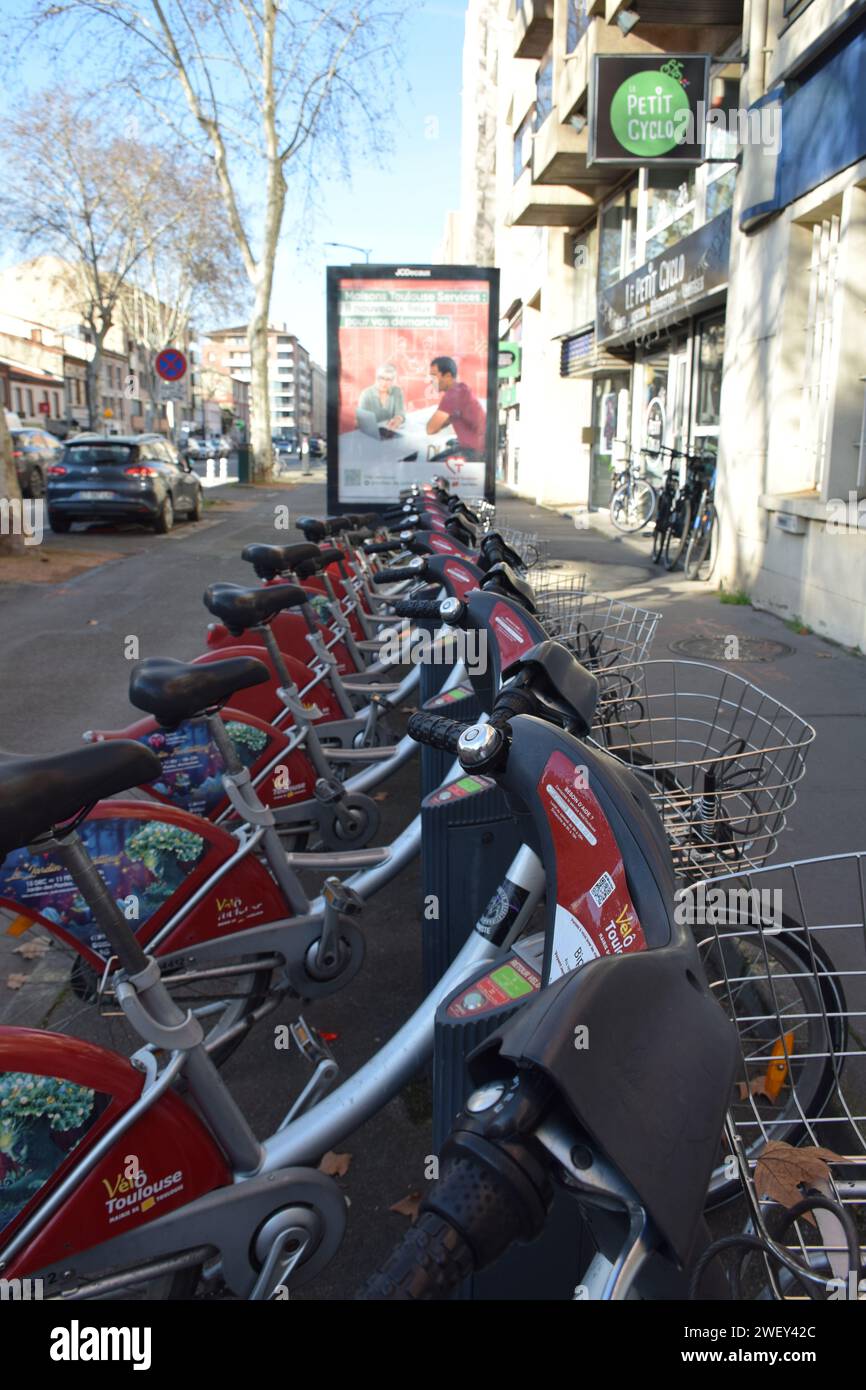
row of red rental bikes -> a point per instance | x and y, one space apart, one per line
679 1030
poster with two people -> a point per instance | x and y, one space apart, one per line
412 375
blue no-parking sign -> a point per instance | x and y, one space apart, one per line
170 364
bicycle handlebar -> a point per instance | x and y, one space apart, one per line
382 547
418 608
436 731
393 576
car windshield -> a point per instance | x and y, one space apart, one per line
101 455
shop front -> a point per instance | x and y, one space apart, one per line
665 323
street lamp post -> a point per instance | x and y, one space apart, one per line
347 246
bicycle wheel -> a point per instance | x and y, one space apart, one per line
663 517
703 546
633 505
763 982
677 537
57 989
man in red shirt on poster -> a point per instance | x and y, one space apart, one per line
459 408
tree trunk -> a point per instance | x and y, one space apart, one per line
11 539
91 390
260 400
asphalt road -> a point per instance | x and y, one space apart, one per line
65 669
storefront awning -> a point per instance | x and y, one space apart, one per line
580 355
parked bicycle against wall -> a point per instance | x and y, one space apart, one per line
633 498
703 547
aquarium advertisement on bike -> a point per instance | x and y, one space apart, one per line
412 380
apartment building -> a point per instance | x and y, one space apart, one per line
714 308
41 309
290 375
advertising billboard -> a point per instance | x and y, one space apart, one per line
647 108
412 379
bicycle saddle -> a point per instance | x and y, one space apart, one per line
269 561
173 691
313 529
319 561
241 608
39 793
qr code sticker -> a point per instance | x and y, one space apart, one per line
352 477
602 889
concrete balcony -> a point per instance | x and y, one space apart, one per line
559 157
571 74
533 27
702 26
547 205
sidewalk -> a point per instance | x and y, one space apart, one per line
823 683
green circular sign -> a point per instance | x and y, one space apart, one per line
649 114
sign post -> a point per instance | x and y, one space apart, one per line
647 108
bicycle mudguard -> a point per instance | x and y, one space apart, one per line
645 1059
153 859
192 768
59 1097
290 633
263 701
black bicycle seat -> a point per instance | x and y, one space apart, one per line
269 561
241 608
313 529
320 561
38 793
173 691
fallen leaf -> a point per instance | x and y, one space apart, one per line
756 1087
380 796
93 622
408 1205
335 1165
32 950
782 1170
15 981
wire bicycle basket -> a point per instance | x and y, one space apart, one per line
720 758
602 632
784 950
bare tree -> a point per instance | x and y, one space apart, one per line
97 200
271 88
195 271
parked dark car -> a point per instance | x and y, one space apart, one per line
34 451
137 477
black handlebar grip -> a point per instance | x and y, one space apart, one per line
435 731
429 1263
394 576
382 547
418 608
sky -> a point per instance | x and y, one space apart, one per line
396 207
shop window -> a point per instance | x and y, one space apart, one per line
710 359
670 208
720 193
617 251
578 23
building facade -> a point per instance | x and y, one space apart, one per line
40 306
713 309
290 376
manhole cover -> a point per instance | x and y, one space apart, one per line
723 649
